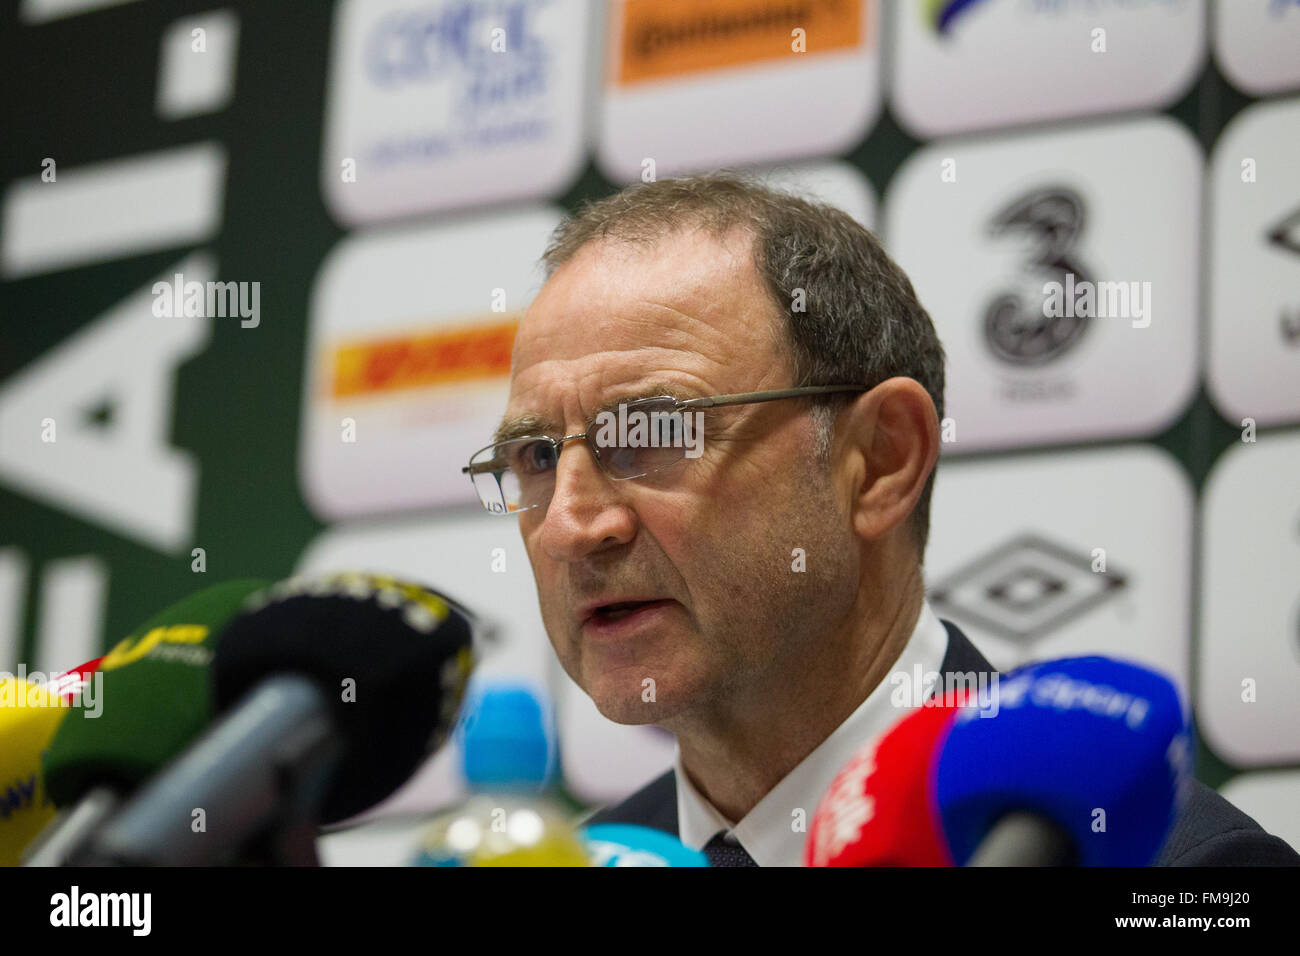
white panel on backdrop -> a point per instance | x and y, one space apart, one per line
1253 359
963 65
1271 799
724 82
73 595
443 104
1058 555
1249 662
1257 44
475 558
42 11
835 183
112 210
411 331
13 595
1061 272
122 473
196 65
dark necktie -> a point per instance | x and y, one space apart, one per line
723 852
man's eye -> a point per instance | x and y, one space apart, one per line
621 460
535 457
670 429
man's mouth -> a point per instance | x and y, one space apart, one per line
604 615
619 610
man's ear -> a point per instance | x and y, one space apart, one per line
891 437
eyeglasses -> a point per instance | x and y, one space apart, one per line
648 436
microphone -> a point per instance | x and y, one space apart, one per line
880 810
154 700
29 716
1086 762
334 689
629 845
30 713
71 683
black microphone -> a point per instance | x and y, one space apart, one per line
335 689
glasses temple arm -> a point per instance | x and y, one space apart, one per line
745 398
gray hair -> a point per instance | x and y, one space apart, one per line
860 321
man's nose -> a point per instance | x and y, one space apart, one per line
586 513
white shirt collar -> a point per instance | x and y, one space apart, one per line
768 832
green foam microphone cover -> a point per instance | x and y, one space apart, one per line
154 700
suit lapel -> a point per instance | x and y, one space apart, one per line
962 657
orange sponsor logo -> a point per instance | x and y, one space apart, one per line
657 40
419 361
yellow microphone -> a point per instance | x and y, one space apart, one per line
29 715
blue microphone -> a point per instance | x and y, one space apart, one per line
625 844
1085 761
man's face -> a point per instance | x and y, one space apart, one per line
711 540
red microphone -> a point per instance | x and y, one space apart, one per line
70 683
880 810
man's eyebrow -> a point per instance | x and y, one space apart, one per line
649 390
521 426
527 424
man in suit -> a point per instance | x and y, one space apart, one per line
751 584
1210 831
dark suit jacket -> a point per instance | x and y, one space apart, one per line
1209 831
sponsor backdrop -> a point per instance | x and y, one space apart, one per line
262 264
